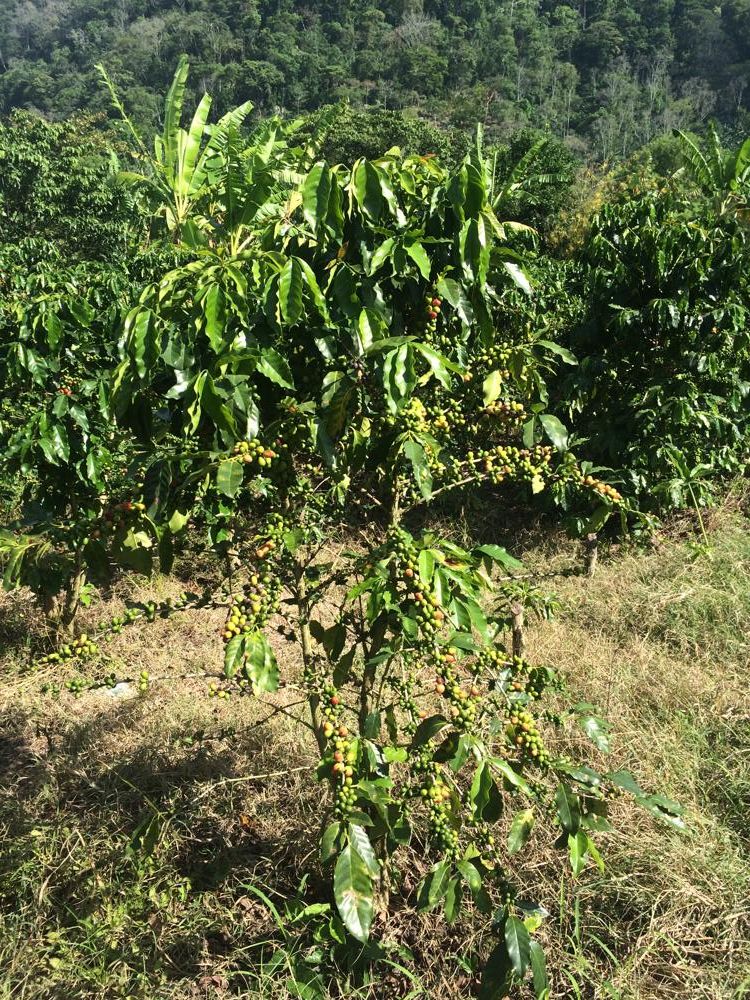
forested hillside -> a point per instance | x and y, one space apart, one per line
607 75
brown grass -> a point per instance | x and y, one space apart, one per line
95 904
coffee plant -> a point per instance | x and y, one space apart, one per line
325 360
663 384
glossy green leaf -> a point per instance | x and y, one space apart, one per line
234 652
361 844
470 875
597 730
381 254
229 477
568 809
261 667
561 352
329 841
367 189
418 459
487 804
555 431
428 729
578 851
500 555
518 943
452 900
496 974
539 971
290 292
214 309
518 275
319 300
353 892
520 830
275 367
491 387
434 886
316 194
419 255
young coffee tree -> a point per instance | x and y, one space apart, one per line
302 394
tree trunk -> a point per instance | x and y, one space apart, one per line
308 656
72 597
516 610
591 553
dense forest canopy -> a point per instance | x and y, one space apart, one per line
607 75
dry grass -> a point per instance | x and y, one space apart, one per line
137 842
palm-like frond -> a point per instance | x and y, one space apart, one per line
173 107
742 163
521 175
120 107
697 162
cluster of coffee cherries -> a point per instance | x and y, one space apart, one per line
507 893
77 685
254 452
437 796
239 685
446 467
541 679
495 659
251 609
519 463
515 676
116 517
602 488
413 417
429 615
495 357
464 703
272 535
342 751
441 421
432 307
524 734
150 611
481 835
427 611
118 622
509 413
84 646
287 450
448 415
81 648
403 687
431 787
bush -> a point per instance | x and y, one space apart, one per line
662 388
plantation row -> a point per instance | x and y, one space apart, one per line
273 352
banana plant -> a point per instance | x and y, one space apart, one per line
184 162
256 184
523 178
721 173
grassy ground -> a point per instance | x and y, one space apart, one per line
152 844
